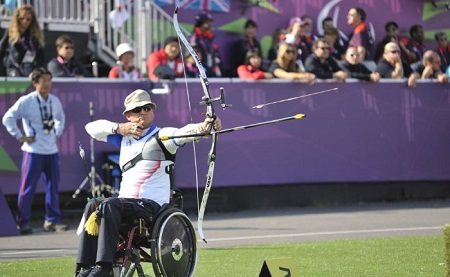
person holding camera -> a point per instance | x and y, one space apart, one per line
43 123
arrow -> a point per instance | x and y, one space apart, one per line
239 128
293 98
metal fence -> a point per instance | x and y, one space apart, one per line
146 25
73 15
146 28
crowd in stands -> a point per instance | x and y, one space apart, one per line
21 48
295 53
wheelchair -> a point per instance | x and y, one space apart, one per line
169 243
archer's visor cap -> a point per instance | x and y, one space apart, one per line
137 98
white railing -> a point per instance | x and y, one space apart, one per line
73 15
146 28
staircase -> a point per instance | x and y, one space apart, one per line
146 28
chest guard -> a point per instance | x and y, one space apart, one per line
153 150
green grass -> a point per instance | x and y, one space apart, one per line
411 256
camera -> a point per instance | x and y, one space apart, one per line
48 125
164 72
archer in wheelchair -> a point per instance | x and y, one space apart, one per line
114 232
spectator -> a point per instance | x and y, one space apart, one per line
328 23
355 69
416 44
248 43
391 65
393 35
21 48
43 122
309 36
379 51
124 68
430 67
360 37
203 37
251 70
285 66
321 64
65 64
296 35
443 50
191 66
273 50
168 55
336 50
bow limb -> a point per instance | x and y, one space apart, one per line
206 99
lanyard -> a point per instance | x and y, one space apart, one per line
43 110
65 66
29 46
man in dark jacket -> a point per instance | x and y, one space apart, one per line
322 64
355 69
65 65
430 67
391 66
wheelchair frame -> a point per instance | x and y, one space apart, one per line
171 240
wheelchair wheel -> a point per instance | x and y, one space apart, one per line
174 245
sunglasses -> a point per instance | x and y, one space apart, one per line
395 52
146 108
290 51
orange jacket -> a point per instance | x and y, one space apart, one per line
248 72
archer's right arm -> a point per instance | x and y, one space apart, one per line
103 130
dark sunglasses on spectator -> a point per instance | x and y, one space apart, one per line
395 51
146 108
290 51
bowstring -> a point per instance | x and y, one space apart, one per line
190 116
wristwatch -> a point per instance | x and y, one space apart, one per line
115 128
